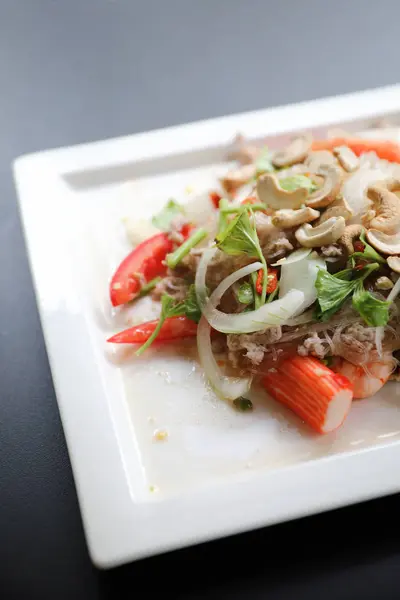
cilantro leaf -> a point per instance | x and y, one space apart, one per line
165 217
375 312
245 293
297 181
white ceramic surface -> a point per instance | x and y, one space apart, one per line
219 472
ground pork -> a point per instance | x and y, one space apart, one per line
314 345
355 343
173 286
332 251
252 345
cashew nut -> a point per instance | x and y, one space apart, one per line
319 158
235 178
383 242
387 204
394 263
330 188
294 153
347 159
286 217
271 194
339 208
243 151
322 235
350 233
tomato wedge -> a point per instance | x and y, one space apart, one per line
385 149
173 328
145 261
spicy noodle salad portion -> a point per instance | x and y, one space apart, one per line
287 274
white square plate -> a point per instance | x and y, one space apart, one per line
219 472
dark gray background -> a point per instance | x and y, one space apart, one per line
78 70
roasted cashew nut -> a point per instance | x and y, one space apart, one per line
394 263
235 178
271 194
294 153
351 233
347 159
322 235
339 208
387 205
286 217
383 242
330 188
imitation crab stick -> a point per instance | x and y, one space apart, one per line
316 394
385 149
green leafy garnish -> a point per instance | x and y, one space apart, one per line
333 291
375 312
245 293
369 253
169 308
165 217
174 258
297 181
257 296
243 404
192 309
240 237
149 286
263 162
223 221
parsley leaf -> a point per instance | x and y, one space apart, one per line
375 312
165 217
333 291
240 237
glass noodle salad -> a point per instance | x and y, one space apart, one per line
287 275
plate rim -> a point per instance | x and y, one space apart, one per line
117 528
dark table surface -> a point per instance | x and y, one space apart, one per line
79 70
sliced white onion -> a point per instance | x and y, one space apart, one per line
200 280
301 276
275 313
227 387
294 257
231 279
269 315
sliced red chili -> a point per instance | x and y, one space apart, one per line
272 280
215 198
358 246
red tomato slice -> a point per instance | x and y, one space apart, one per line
173 328
146 261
